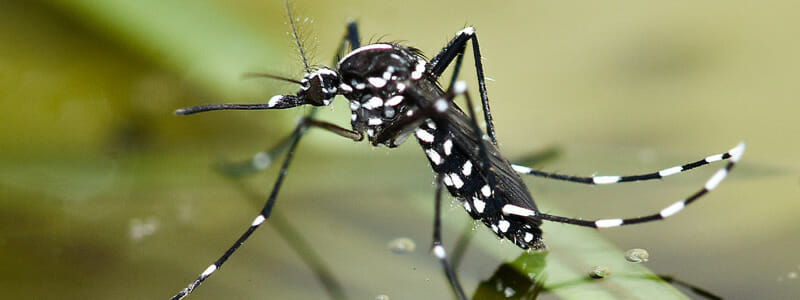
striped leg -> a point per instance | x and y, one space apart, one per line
460 88
267 210
610 179
438 249
263 159
455 50
350 37
735 155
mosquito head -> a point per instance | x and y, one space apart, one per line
319 87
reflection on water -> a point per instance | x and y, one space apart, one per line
297 242
526 278
521 279
598 272
637 255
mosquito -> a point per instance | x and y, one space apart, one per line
394 93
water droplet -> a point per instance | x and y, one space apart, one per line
637 255
382 297
599 272
454 202
139 229
402 245
476 225
261 160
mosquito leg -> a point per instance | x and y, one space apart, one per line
267 209
610 179
437 248
301 246
455 50
676 207
351 37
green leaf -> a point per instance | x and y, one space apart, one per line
571 255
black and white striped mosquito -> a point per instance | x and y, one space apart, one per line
394 93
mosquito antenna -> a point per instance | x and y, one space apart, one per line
210 107
297 38
265 75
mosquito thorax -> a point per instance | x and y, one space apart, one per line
373 78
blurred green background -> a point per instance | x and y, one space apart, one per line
104 193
